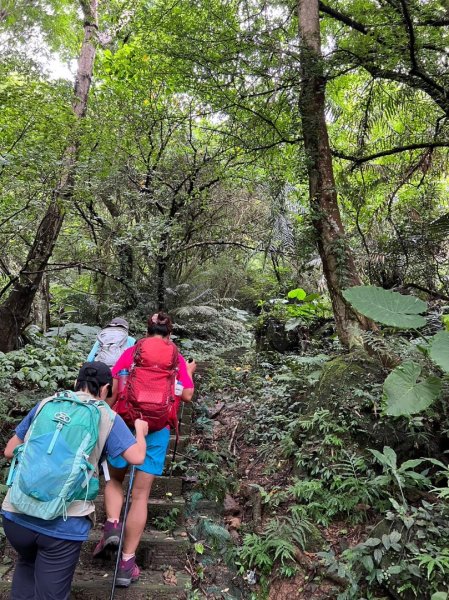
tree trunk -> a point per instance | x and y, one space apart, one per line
124 250
338 263
40 310
15 310
161 270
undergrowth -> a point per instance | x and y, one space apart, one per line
332 477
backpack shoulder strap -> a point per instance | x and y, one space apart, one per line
41 405
107 417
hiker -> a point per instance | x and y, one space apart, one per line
111 342
159 330
45 527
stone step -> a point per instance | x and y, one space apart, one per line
95 584
183 442
158 508
152 585
166 485
156 550
185 428
167 465
163 485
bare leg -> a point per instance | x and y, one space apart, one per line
113 493
137 516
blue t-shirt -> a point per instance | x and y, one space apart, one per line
72 528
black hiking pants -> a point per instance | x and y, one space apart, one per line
45 565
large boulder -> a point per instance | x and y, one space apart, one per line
345 374
271 335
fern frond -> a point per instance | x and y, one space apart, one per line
285 533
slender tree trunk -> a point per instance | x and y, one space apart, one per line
161 270
15 310
124 250
162 256
40 310
338 263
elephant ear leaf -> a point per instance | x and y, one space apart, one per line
405 395
439 350
388 308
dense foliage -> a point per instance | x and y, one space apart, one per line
249 164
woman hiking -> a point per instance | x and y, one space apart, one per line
133 361
48 548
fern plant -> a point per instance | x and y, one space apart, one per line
277 543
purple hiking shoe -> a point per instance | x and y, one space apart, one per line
110 539
128 572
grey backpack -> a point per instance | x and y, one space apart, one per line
113 341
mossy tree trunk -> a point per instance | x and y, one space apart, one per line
338 263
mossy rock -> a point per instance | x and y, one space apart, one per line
344 374
350 388
270 334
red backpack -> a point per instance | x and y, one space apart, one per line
150 389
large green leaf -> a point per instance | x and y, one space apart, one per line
439 350
439 596
405 395
389 308
297 293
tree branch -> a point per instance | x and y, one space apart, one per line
343 18
212 243
80 265
358 160
431 293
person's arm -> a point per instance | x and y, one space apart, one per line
136 453
20 433
191 368
12 445
93 352
187 392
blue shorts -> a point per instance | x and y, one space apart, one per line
157 444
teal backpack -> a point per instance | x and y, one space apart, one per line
51 468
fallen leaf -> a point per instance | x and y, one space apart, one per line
170 577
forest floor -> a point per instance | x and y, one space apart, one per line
252 469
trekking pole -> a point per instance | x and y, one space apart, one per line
120 544
177 437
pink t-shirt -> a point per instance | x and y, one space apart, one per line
126 360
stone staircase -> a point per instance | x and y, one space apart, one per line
161 555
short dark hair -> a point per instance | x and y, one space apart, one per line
160 324
92 376
88 386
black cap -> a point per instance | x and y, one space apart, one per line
96 372
119 322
